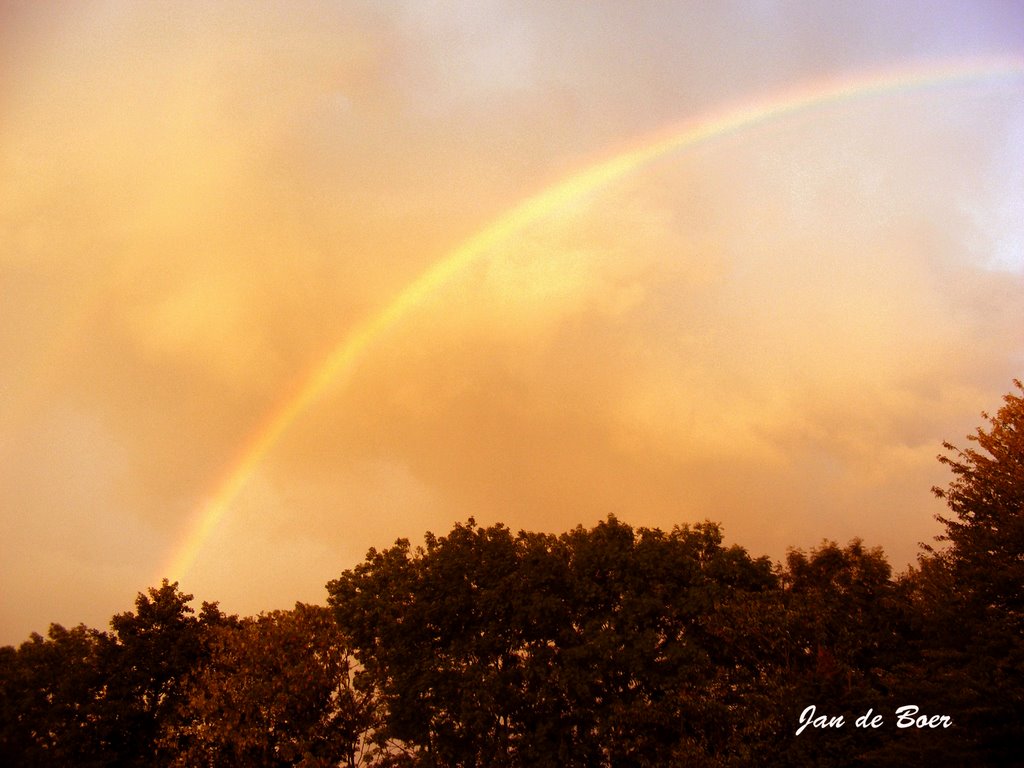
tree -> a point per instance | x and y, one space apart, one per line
155 647
986 496
435 635
586 649
276 690
85 697
49 693
845 601
843 616
969 594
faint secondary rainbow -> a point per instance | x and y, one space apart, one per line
680 136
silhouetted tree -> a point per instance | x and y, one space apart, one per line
971 593
276 690
155 647
588 649
84 697
50 690
962 648
986 497
843 618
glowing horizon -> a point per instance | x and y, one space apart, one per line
679 136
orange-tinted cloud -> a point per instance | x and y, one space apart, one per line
775 330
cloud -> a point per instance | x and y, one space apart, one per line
775 329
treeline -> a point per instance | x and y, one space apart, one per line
607 646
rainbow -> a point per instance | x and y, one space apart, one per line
686 135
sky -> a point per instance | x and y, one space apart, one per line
225 357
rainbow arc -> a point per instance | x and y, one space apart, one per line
686 135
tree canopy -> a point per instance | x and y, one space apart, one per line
489 648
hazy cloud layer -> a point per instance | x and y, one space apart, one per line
775 330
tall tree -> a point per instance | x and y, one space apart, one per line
986 497
972 606
155 647
964 643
